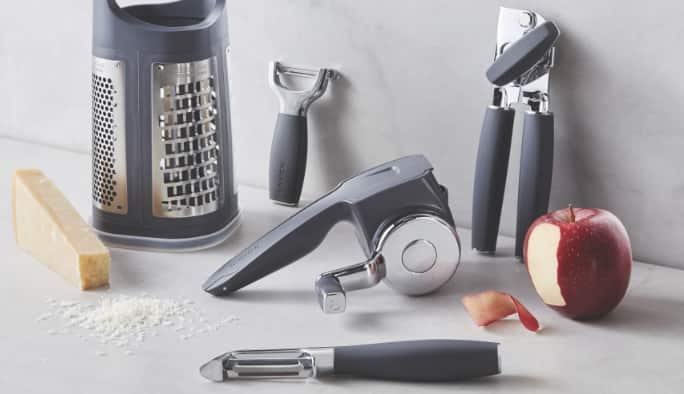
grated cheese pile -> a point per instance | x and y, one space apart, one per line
126 321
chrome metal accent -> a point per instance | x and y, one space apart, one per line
415 255
186 179
272 363
331 287
109 136
532 87
400 237
297 102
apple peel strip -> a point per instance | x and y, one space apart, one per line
489 306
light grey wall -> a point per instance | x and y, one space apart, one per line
414 83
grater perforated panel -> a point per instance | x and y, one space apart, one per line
185 145
109 147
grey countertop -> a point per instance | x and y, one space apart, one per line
637 348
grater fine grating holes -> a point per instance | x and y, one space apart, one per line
108 190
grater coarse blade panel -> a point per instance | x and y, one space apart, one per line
185 145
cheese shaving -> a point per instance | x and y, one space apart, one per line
127 321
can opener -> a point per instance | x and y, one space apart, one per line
402 221
520 74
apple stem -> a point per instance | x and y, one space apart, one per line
572 213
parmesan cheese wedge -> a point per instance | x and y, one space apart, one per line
48 227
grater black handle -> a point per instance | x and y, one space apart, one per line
490 177
536 171
419 361
287 166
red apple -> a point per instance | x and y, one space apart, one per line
579 261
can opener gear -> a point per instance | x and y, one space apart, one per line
402 221
520 74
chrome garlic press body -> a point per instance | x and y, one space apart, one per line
289 147
402 220
523 60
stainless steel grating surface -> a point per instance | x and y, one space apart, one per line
185 147
109 148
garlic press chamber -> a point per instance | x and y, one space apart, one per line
402 220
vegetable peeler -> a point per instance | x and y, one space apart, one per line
410 361
402 220
520 74
289 147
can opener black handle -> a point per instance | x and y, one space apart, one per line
403 223
520 72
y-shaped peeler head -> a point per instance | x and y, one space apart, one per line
297 102
402 220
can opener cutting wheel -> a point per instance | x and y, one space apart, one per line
402 221
520 74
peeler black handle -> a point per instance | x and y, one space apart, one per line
419 361
536 171
288 159
490 177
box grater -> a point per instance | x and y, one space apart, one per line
162 150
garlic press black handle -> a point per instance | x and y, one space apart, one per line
287 165
491 168
536 171
370 201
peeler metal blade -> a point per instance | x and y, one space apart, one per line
296 101
269 364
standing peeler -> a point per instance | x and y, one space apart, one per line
289 148
520 74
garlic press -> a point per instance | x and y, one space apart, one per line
523 60
287 164
402 221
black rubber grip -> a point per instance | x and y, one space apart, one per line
419 361
294 238
288 159
523 54
490 177
536 171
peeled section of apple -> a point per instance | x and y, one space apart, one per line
579 260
